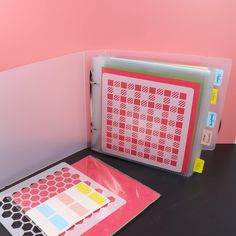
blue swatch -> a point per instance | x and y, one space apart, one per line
59 222
211 119
46 210
219 73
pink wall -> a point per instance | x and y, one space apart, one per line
35 30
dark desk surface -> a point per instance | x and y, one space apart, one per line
201 205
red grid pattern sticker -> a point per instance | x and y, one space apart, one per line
148 118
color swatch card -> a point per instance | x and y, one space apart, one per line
148 118
54 202
59 213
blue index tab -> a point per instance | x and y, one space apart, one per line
59 222
45 210
219 73
211 120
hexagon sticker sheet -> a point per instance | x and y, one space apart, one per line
54 201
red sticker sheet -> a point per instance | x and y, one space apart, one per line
148 119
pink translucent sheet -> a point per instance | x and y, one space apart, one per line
137 196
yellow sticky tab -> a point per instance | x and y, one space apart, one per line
214 96
83 188
198 165
99 199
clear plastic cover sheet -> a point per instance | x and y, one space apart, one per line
43 115
137 196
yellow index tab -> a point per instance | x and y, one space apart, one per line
214 96
83 188
198 165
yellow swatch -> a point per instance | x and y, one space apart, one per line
198 165
97 198
214 96
83 188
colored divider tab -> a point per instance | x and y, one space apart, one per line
211 120
198 165
206 137
83 188
219 73
214 96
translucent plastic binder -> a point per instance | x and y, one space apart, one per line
45 106
156 109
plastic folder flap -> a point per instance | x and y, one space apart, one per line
43 115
